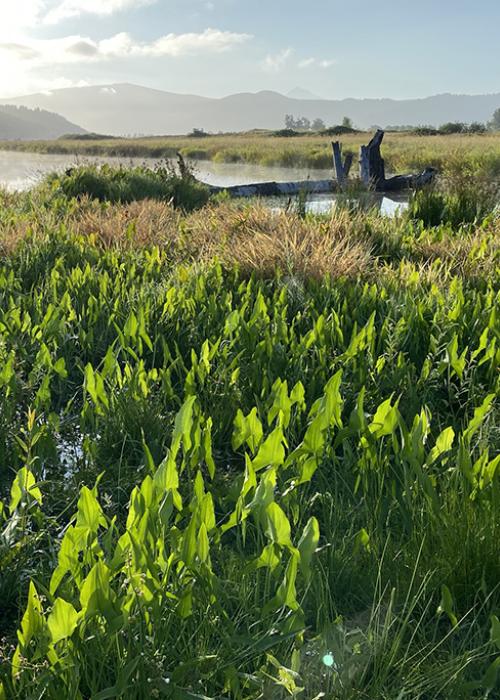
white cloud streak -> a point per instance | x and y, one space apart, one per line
316 63
17 15
68 9
78 49
275 63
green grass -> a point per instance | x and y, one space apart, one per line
230 469
472 154
125 185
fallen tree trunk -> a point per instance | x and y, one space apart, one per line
371 172
277 189
407 182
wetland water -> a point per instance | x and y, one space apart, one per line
20 171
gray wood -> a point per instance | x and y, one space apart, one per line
371 172
348 165
337 162
364 166
276 189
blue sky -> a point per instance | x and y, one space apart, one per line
411 48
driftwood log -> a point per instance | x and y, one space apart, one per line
278 189
371 174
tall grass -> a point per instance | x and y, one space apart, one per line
477 154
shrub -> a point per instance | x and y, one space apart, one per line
339 130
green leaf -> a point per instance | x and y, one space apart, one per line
203 544
189 543
32 622
479 416
269 557
495 631
183 426
444 443
447 605
490 679
286 594
271 452
62 620
90 513
247 429
278 528
24 488
307 545
385 420
95 594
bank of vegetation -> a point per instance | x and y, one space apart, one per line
479 153
248 454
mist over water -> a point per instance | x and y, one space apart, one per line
21 171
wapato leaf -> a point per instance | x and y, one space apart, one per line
90 513
203 544
271 452
278 526
495 631
447 605
385 420
286 594
24 485
307 545
444 443
62 620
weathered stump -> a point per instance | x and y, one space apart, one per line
372 165
372 170
342 169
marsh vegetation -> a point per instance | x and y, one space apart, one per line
246 453
479 153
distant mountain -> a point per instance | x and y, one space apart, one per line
299 93
125 109
21 123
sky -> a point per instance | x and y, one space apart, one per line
332 48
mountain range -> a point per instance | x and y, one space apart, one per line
19 123
125 109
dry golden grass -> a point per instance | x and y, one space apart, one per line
261 241
254 238
138 224
267 243
473 254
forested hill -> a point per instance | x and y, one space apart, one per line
24 123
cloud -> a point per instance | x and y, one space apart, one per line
275 63
76 49
209 41
316 63
19 50
17 15
74 8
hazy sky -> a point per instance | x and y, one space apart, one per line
336 49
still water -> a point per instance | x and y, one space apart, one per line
20 171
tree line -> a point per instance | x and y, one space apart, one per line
305 124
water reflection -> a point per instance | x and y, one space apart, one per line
21 171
